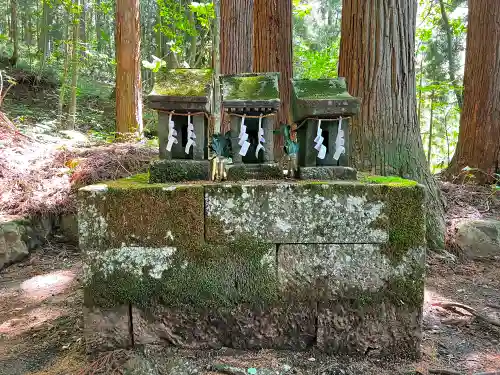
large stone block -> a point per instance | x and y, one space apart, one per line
367 303
243 327
322 271
382 329
129 229
324 212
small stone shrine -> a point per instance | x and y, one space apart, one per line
322 109
337 266
182 98
252 100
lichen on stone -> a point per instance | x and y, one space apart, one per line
134 260
293 213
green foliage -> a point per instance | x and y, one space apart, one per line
221 145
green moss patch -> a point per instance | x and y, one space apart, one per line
155 216
183 82
250 86
319 89
162 171
207 276
389 181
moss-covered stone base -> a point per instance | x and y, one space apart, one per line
162 171
261 264
241 172
327 173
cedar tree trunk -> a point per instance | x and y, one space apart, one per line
377 60
479 137
235 41
272 52
128 68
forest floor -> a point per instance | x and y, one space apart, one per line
41 330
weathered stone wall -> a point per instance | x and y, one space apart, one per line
337 265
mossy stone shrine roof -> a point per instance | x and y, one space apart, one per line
249 87
183 82
322 98
321 89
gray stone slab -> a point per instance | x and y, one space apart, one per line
296 212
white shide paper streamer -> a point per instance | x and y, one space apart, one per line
319 146
191 136
171 133
339 142
243 138
261 138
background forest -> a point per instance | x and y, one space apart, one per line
69 46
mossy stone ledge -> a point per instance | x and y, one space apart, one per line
253 265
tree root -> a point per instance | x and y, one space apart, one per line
475 313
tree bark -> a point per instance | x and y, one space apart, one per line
236 36
236 25
272 52
128 68
479 136
377 59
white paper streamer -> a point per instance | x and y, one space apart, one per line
191 136
339 142
319 146
260 136
243 138
172 133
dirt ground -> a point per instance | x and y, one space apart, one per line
41 328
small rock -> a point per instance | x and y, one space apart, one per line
479 239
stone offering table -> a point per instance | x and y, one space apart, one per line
323 108
182 98
336 265
252 100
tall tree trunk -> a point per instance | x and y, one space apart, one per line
74 69
479 136
82 34
98 25
43 40
15 32
64 79
431 128
272 52
236 36
452 59
236 25
377 60
216 105
128 68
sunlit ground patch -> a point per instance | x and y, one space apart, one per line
47 285
25 321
